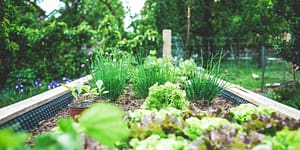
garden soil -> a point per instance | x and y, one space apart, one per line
129 103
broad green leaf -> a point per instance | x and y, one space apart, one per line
86 88
67 137
51 141
99 84
79 88
70 88
11 140
104 122
66 125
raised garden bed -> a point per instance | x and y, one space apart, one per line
219 108
164 119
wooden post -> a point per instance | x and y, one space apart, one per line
187 44
167 43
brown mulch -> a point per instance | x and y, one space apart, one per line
128 103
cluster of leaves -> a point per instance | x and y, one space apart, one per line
166 95
141 43
261 119
107 128
85 92
285 139
55 47
191 129
244 112
46 52
155 142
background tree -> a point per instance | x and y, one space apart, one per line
290 12
15 16
216 24
92 12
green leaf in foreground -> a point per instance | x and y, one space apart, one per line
66 138
11 140
52 141
104 123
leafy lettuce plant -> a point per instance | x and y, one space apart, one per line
155 142
139 114
167 95
143 122
244 112
196 127
284 140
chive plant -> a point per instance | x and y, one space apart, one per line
152 71
206 84
113 71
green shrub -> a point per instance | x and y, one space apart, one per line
163 96
152 71
285 93
113 72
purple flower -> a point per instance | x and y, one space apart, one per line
51 85
20 79
57 83
20 88
66 80
80 77
37 83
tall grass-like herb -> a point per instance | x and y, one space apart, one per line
152 71
207 84
113 71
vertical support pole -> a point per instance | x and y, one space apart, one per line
262 67
187 44
167 43
294 75
246 57
283 69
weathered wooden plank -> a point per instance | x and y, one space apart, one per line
257 99
12 111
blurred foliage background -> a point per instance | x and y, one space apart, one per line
33 45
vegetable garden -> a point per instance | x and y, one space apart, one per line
133 98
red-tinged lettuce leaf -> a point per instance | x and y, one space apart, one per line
269 125
104 123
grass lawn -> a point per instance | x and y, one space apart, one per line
240 72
